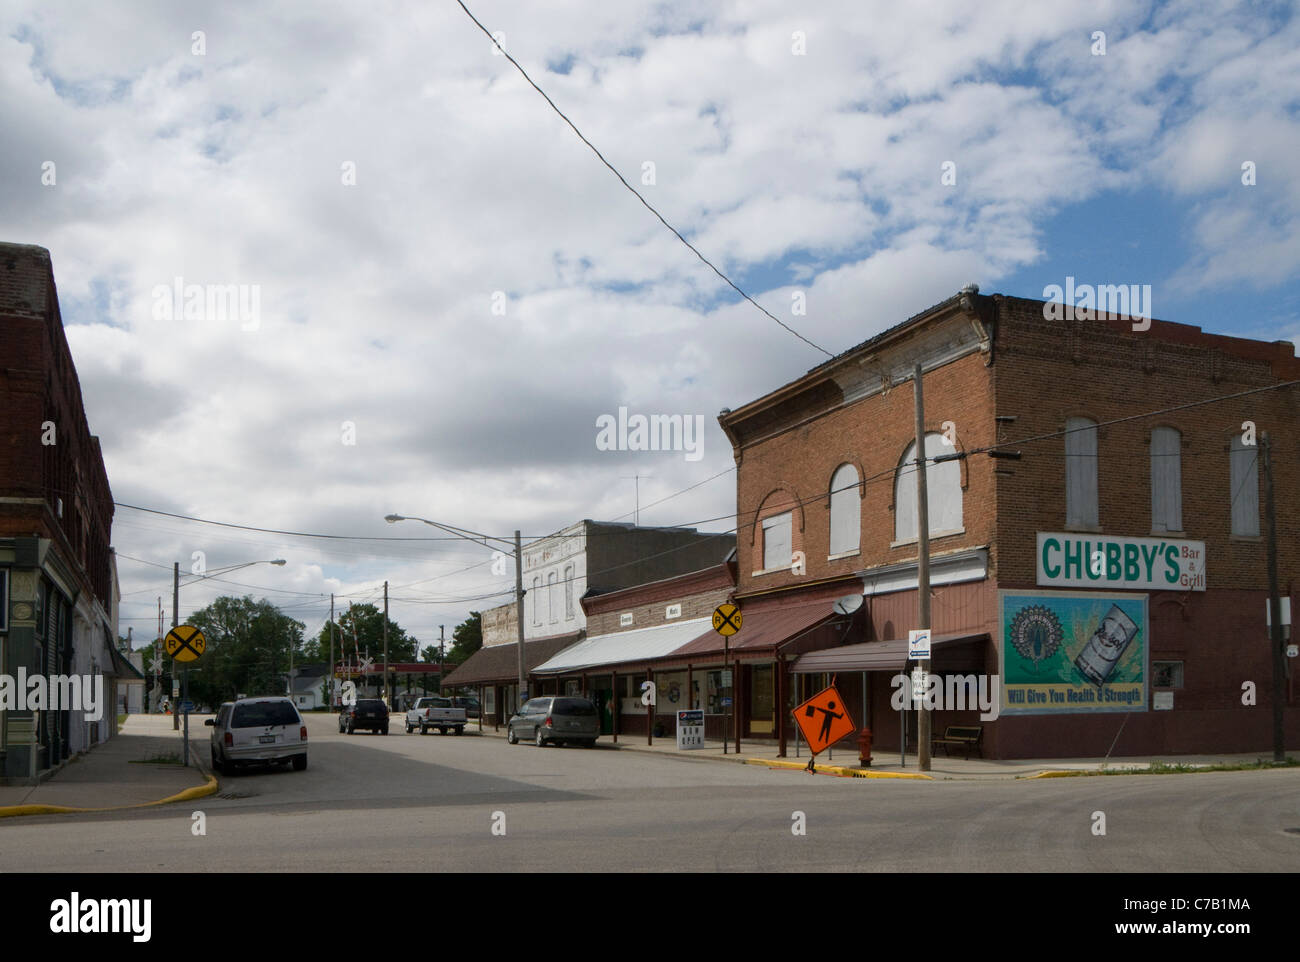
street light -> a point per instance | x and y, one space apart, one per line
517 551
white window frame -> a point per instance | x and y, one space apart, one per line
568 592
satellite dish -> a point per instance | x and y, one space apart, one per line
848 604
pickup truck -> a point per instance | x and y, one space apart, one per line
434 712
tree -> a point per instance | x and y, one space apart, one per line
467 638
368 622
248 645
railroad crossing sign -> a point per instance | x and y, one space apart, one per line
823 719
185 643
726 619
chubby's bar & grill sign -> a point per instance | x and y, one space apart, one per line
1074 560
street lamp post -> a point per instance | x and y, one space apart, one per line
517 551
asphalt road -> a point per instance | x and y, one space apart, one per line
430 803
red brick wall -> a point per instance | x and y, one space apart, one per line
873 433
38 383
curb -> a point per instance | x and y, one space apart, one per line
198 791
838 770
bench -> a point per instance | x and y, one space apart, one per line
968 736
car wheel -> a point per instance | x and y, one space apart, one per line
424 730
385 729
511 737
352 729
460 729
408 728
442 731
589 743
541 740
216 762
299 763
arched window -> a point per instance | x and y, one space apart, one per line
1081 473
568 592
537 590
846 508
943 490
1166 480
552 598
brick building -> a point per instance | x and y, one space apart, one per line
584 560
826 506
58 595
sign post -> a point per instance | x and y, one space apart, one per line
726 622
185 644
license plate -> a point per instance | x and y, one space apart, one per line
266 739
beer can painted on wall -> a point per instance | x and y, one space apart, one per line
1106 646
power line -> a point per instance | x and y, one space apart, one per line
635 192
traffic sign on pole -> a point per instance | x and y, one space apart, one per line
185 643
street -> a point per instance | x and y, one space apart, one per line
431 803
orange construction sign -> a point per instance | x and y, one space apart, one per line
823 719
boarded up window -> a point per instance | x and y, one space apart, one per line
943 491
1081 472
845 510
1166 480
776 542
1245 488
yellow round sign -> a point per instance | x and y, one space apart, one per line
185 643
726 619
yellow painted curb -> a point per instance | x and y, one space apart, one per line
1056 774
198 791
838 770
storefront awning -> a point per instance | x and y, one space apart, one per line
872 655
762 629
617 647
499 664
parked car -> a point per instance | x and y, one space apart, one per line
555 719
470 704
369 713
433 711
258 731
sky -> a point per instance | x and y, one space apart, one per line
444 289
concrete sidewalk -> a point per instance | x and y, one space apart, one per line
886 763
118 773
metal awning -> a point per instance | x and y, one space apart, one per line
872 655
617 647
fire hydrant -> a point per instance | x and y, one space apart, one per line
864 747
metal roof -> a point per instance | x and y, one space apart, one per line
888 655
637 644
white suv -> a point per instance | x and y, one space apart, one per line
258 731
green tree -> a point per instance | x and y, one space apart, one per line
368 622
248 646
466 638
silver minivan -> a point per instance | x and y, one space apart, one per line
258 731
555 719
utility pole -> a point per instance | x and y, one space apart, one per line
519 617
442 657
388 696
922 564
329 688
176 604
1274 606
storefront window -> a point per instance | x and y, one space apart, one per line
717 699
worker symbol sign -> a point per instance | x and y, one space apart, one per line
823 719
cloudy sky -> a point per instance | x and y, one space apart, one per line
448 277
